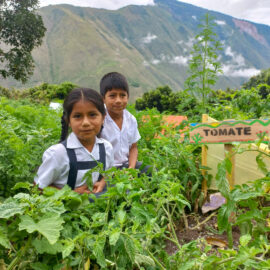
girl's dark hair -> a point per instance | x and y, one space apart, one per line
76 95
113 80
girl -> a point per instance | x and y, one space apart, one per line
68 161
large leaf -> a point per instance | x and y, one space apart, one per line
4 238
11 209
49 226
43 246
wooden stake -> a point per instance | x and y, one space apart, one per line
204 159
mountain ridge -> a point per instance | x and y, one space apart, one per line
149 44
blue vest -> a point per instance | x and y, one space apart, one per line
83 165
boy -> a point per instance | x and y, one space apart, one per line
120 126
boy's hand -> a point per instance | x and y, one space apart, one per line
99 186
82 189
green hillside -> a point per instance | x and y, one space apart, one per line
149 44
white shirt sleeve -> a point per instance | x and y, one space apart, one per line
53 165
109 156
134 130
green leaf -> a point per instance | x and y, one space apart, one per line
120 187
142 259
240 196
4 241
49 226
224 214
221 180
99 219
114 236
67 248
121 216
261 164
245 239
11 209
98 251
43 246
130 249
25 185
40 266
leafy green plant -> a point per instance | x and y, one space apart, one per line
26 130
204 66
244 206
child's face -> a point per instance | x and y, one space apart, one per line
116 101
85 121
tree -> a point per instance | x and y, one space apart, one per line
255 81
161 98
204 66
21 30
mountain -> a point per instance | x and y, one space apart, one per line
149 44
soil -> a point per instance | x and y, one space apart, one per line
208 231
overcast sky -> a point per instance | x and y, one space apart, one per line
252 10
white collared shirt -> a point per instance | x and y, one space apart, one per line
121 139
55 162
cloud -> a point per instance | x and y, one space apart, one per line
149 38
236 59
155 61
236 66
220 22
256 11
188 43
180 60
231 71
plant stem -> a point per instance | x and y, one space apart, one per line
20 254
229 235
185 219
224 261
172 226
204 221
155 260
171 239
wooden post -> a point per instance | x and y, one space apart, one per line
230 176
204 159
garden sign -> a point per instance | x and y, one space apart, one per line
246 131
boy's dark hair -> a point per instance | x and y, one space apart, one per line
113 80
76 95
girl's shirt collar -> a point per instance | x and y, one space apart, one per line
73 142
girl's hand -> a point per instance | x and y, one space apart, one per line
99 186
82 189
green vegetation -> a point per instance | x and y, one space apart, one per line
231 104
130 227
21 30
204 66
43 93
